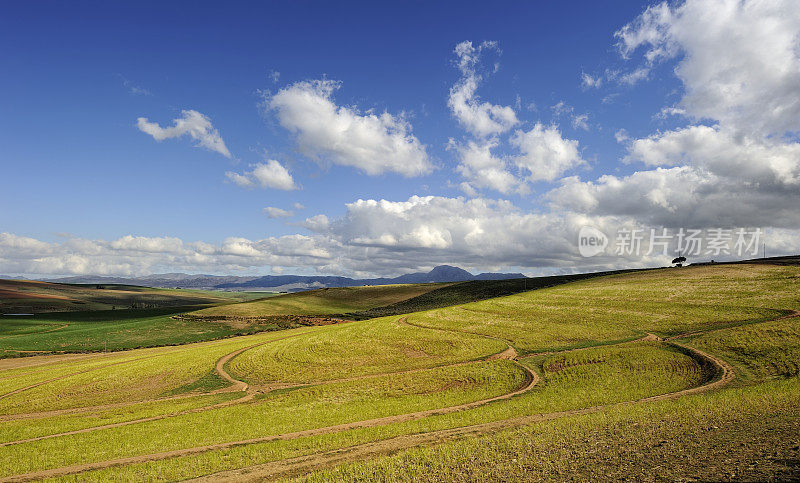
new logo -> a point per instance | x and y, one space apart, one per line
591 241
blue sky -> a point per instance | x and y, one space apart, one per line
78 76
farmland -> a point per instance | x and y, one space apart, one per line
613 375
27 296
94 318
47 317
324 301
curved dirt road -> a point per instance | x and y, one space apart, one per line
294 466
724 374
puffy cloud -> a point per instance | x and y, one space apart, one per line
381 237
373 143
765 164
705 176
148 244
479 118
275 212
739 63
464 230
545 154
682 196
317 223
713 178
192 123
483 169
267 175
738 60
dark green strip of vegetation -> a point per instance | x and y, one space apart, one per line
473 291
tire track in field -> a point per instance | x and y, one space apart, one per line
236 386
219 368
531 379
84 371
303 464
790 315
724 374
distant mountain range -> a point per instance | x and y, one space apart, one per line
286 283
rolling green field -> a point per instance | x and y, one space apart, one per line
108 330
324 301
89 318
675 373
27 296
160 317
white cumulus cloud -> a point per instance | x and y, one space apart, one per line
545 154
739 64
483 169
738 165
479 118
373 143
192 123
271 174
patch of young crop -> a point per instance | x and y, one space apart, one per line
32 427
356 349
548 397
747 434
305 408
118 377
759 351
472 291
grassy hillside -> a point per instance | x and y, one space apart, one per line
76 318
324 301
465 292
161 316
680 369
619 307
108 330
26 296
359 303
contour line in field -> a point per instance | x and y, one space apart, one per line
724 374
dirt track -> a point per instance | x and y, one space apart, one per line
31 386
531 380
724 375
298 465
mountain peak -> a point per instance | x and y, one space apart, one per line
449 271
